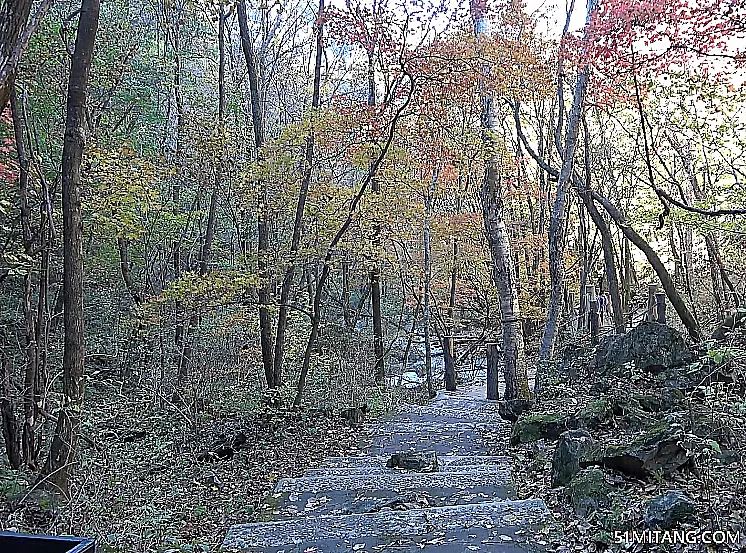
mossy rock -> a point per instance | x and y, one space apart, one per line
537 426
572 452
596 413
660 449
588 491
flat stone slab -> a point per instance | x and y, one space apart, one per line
505 527
366 493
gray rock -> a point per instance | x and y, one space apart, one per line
650 346
588 491
666 510
419 461
573 448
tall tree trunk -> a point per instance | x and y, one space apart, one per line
206 253
265 294
59 466
557 218
179 332
428 279
346 297
493 211
31 392
448 351
301 205
13 17
375 272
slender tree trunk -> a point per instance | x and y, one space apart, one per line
346 298
375 272
179 332
428 278
31 392
11 432
607 243
557 218
410 337
450 370
265 294
300 207
503 272
688 320
206 253
316 309
59 465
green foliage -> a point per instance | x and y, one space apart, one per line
720 355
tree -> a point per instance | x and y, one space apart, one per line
557 219
59 465
265 296
493 209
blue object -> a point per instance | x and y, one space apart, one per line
12 542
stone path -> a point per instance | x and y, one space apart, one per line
356 504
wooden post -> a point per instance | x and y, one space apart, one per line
660 307
590 296
652 289
493 371
594 320
572 314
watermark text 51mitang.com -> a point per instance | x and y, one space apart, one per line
706 537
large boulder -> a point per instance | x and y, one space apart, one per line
662 449
538 426
589 490
666 510
574 448
650 346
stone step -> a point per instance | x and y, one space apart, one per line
467 403
446 413
382 469
444 438
341 466
505 527
365 493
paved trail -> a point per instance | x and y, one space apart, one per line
352 504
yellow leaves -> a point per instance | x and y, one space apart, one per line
217 287
123 188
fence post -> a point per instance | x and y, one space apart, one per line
594 320
590 296
652 289
493 371
660 307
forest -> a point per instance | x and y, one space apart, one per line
221 223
